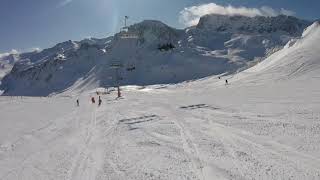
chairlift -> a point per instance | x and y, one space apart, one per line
131 68
116 65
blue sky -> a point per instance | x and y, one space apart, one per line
28 24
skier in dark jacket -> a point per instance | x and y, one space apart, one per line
100 101
93 100
78 103
227 82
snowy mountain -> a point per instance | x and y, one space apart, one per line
160 55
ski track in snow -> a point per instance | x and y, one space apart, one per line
266 146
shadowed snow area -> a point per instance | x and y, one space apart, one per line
264 125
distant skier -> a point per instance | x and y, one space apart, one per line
227 82
93 100
100 101
78 103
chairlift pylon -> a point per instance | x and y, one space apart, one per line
116 65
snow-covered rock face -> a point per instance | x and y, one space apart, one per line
244 39
259 24
160 54
6 64
151 32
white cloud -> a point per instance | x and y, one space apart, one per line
64 3
287 12
13 51
35 49
190 16
268 11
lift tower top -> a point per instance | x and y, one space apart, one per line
124 32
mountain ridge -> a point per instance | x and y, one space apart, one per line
260 24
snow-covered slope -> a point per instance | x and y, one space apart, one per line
298 59
199 52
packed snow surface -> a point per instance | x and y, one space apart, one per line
264 125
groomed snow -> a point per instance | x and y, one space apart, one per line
264 125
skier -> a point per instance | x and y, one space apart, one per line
100 101
78 103
93 100
227 82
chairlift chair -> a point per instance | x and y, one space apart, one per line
131 67
116 65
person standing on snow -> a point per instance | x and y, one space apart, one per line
227 82
78 103
93 100
100 101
